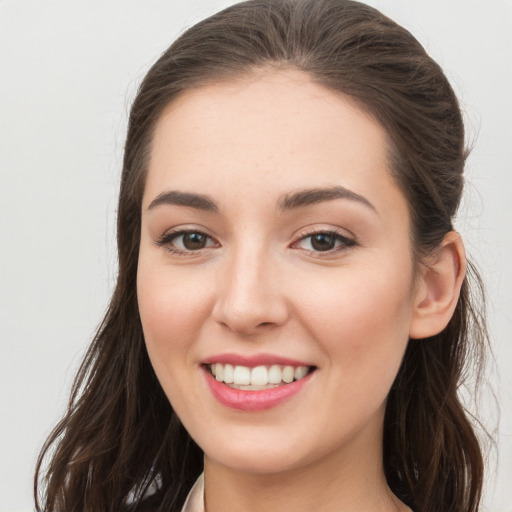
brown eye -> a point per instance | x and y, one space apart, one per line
184 242
194 241
323 242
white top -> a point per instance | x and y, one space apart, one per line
195 498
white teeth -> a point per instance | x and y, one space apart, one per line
299 372
274 374
259 377
219 372
288 374
229 374
252 387
242 375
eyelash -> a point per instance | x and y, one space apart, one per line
345 242
167 239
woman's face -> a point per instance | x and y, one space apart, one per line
273 237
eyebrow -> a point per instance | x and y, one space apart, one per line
308 197
198 201
297 199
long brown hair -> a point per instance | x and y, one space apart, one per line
120 445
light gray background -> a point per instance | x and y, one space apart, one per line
68 72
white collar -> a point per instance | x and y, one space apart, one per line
195 498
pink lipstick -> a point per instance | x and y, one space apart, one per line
255 383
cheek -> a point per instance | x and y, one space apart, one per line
362 319
171 309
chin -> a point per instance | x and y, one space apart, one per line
251 454
263 455
261 463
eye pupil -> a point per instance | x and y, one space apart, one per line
194 241
322 242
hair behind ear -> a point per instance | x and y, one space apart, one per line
426 425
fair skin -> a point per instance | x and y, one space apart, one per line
251 279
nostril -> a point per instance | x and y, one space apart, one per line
242 311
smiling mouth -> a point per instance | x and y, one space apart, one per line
258 377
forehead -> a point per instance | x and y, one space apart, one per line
270 132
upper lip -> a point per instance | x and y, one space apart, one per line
253 360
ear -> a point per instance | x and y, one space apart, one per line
438 289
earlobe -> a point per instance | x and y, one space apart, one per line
439 288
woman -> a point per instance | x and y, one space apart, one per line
292 312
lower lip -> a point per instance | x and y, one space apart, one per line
260 400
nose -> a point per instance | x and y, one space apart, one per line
250 297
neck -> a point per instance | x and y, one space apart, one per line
349 479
